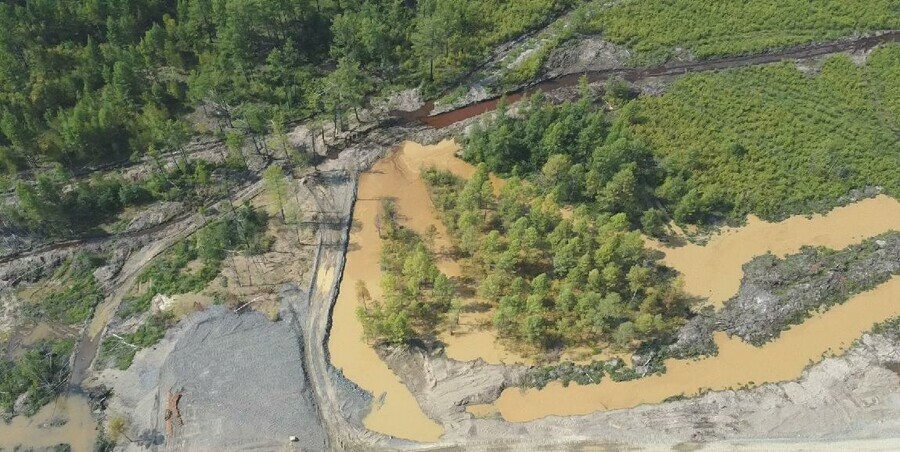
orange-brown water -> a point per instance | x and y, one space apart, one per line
79 430
712 271
398 178
737 363
397 413
715 270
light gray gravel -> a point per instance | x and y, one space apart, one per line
243 384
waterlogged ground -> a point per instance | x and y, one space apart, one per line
395 411
712 271
67 420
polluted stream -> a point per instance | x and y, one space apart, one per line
712 271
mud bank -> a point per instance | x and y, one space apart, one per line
849 400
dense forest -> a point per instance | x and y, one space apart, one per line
581 278
91 82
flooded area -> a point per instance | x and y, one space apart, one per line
714 271
27 336
397 178
68 420
395 411
473 338
736 365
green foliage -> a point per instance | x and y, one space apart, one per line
572 153
41 373
416 294
734 27
528 69
86 83
275 185
76 295
585 374
449 38
53 207
772 141
121 350
769 140
169 274
577 281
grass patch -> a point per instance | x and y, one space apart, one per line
737 27
74 297
40 373
121 350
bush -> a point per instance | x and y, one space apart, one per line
41 373
74 301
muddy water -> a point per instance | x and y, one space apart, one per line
712 271
736 364
79 429
473 338
397 178
395 411
715 270
20 342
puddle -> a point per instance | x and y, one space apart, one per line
715 270
28 336
79 430
736 364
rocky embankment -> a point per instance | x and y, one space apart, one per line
776 293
